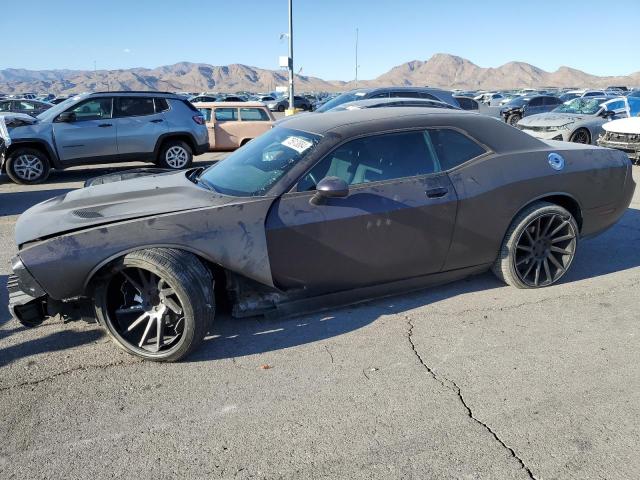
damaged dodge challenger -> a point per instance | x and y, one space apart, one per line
321 211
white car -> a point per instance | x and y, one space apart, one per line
623 134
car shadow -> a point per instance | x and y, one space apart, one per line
53 342
232 337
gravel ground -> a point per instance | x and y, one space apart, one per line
473 380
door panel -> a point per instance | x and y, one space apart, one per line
138 126
381 232
92 134
227 128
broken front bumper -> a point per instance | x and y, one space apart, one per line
629 143
27 299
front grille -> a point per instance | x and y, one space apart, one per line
622 137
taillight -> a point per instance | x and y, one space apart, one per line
199 119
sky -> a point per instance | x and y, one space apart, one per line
595 36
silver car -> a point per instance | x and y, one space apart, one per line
579 120
107 127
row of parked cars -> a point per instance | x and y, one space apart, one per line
168 129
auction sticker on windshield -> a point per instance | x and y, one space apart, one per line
297 143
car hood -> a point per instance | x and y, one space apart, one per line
624 125
552 119
113 202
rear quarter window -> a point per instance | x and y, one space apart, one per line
453 148
254 115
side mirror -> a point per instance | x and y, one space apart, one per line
608 113
330 187
66 117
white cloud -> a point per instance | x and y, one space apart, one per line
127 50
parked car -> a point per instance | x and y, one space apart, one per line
493 99
392 102
28 107
107 127
623 135
231 125
203 98
523 106
579 120
281 104
231 98
390 92
466 103
325 209
265 98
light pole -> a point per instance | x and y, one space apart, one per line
356 57
291 103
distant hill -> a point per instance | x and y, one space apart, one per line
441 70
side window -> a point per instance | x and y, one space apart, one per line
5 106
24 105
452 148
206 113
535 102
161 104
253 115
377 95
93 109
226 114
373 159
134 106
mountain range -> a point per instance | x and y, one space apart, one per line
441 70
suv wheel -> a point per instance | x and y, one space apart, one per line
28 166
175 154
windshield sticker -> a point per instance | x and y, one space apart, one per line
298 144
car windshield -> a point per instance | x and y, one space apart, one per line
344 98
584 106
253 169
57 109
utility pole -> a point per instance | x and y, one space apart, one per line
291 102
356 57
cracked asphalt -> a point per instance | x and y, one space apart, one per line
472 380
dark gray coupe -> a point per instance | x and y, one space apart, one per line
324 210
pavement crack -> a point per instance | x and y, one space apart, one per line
453 386
329 352
68 372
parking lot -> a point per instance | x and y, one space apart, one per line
468 380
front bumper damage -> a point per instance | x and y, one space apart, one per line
629 143
30 305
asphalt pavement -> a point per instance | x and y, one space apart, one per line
472 380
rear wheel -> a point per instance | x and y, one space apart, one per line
28 166
156 303
538 248
281 108
580 136
513 119
175 154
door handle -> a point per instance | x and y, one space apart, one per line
157 120
105 125
438 192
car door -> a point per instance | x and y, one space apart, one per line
396 222
227 129
91 135
139 125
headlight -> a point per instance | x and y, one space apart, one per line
562 127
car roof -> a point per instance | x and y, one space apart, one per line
495 134
229 104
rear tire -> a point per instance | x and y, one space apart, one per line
175 155
281 108
28 166
538 248
156 303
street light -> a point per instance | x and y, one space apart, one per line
291 103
